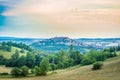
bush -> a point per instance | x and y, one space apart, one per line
4 73
101 58
87 61
25 71
53 66
44 66
22 51
97 65
16 72
37 71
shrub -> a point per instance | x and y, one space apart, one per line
44 66
16 72
22 51
25 71
87 61
32 71
37 71
101 58
97 65
4 73
53 67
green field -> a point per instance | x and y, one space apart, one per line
8 54
110 71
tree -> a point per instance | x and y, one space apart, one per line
22 50
77 57
62 59
60 65
53 66
37 71
16 55
30 60
21 61
44 66
24 70
13 61
97 65
38 59
110 54
87 61
100 56
71 49
118 48
16 72
6 46
2 60
112 49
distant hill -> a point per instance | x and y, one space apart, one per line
18 40
57 43
82 45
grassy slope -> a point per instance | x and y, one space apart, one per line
4 69
110 71
8 54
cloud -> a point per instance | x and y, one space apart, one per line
63 17
57 6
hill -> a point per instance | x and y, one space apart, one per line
9 48
7 54
19 40
57 43
110 71
83 44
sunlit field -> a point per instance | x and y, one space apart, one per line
110 71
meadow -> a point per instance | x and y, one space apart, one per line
110 71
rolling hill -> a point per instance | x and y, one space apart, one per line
110 71
57 43
83 44
7 54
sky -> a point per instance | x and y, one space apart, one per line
51 18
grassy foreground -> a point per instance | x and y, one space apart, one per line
110 71
7 55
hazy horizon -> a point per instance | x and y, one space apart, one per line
59 36
56 18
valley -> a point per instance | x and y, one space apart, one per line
64 60
57 43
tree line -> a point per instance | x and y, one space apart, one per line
6 46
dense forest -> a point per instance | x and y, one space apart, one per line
40 63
